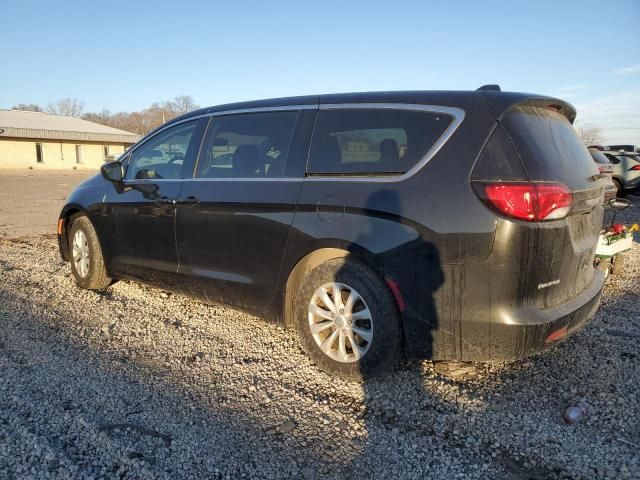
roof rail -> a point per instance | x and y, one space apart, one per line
490 88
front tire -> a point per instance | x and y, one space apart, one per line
87 262
347 320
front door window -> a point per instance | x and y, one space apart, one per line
163 156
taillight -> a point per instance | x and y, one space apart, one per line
532 202
635 167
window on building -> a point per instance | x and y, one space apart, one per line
39 153
78 153
250 145
363 141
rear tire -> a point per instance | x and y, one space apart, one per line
617 264
619 190
344 299
87 262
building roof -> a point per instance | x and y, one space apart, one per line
39 125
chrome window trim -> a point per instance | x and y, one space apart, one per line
457 114
134 181
245 179
284 108
152 134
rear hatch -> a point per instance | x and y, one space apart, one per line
552 249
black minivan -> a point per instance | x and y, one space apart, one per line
441 225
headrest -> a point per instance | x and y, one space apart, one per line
246 161
389 150
332 152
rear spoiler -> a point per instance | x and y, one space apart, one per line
501 102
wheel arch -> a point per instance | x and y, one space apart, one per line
618 178
69 213
306 264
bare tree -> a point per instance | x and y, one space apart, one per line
27 107
146 120
71 107
182 104
590 135
102 117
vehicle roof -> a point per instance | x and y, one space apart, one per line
620 152
497 101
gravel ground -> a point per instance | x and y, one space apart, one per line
138 383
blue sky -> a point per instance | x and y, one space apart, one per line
125 55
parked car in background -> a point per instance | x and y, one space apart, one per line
626 173
625 148
605 167
442 225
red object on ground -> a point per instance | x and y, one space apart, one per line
618 228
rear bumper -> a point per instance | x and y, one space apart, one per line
632 185
522 332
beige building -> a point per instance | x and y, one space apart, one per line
44 140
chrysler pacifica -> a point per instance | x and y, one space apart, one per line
441 225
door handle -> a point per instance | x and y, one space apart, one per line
191 200
164 201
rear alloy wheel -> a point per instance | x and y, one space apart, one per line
348 321
342 329
87 264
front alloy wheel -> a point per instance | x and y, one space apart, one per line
81 253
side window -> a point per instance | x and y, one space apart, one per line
363 141
162 156
248 145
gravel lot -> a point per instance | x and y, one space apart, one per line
30 200
139 383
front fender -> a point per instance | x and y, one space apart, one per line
85 199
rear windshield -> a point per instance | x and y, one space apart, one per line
363 141
549 147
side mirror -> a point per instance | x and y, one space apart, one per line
113 171
619 203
